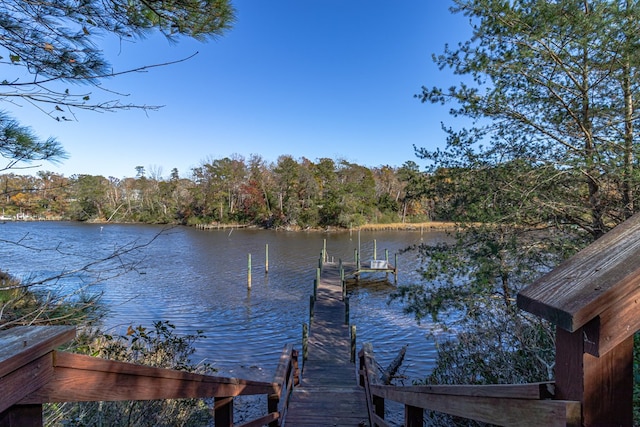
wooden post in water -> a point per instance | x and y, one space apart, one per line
395 269
346 310
249 272
305 343
324 250
353 343
342 282
266 258
358 263
375 249
312 301
386 258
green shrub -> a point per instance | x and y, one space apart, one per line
158 346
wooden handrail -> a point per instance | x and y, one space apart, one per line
508 404
34 373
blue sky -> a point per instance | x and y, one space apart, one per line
307 78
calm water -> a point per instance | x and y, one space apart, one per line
198 280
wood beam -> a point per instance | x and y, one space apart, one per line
598 277
29 378
23 344
604 385
80 378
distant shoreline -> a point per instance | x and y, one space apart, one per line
418 226
397 226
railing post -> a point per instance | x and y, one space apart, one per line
604 385
273 400
223 411
22 416
413 416
294 366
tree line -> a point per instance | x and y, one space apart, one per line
287 193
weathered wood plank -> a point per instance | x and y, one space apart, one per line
328 394
22 344
590 282
603 384
281 370
80 378
18 384
494 410
614 325
543 390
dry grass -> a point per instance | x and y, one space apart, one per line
399 226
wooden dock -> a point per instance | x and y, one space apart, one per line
328 394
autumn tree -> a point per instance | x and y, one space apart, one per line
287 177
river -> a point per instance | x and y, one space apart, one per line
197 280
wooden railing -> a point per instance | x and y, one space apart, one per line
593 299
506 405
32 373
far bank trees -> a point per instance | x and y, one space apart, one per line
289 193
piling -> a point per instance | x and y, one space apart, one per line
343 283
312 301
353 343
249 272
305 342
324 250
346 311
266 258
395 269
386 258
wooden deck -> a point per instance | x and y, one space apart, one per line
328 394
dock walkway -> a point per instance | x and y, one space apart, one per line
328 394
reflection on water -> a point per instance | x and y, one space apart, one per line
197 280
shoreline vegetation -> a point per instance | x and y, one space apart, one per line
397 226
